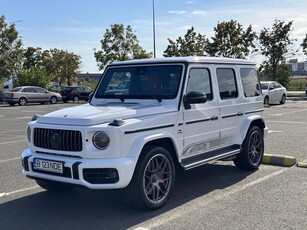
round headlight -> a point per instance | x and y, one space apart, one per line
29 133
101 140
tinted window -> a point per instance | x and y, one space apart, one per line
199 81
40 90
227 83
250 82
28 90
148 82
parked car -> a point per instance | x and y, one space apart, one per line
273 92
30 94
177 113
76 93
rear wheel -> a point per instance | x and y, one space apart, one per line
53 186
53 100
22 101
252 150
266 100
153 179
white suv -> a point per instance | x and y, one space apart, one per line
181 112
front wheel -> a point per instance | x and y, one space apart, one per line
283 99
153 179
22 101
252 150
53 186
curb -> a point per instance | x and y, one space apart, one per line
301 164
279 160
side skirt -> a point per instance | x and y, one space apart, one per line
217 154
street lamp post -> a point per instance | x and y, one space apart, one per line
154 27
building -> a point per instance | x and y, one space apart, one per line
299 69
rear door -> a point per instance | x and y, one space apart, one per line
231 103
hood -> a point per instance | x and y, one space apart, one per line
92 115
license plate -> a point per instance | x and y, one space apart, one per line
47 165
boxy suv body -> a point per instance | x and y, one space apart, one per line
177 113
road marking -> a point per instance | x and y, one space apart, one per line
19 118
195 205
12 159
272 131
280 114
287 122
18 191
13 131
10 142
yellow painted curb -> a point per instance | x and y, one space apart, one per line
301 164
279 160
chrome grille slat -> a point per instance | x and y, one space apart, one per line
56 139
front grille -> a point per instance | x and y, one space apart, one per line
55 139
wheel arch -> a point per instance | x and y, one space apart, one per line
247 123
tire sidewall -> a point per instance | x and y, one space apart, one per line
148 153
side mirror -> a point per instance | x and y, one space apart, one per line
194 98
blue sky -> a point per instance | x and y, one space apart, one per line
78 26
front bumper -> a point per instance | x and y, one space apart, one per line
91 173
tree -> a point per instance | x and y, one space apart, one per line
11 51
35 76
283 74
119 44
231 40
189 45
61 65
275 45
32 57
304 45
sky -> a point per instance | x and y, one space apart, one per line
78 26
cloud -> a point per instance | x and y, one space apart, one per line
177 12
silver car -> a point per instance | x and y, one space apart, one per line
30 94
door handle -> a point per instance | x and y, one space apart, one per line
239 114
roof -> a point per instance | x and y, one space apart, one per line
192 59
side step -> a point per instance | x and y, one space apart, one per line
217 154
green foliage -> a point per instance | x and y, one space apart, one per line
32 57
119 44
191 44
10 50
275 45
34 76
61 65
297 84
304 45
283 74
231 40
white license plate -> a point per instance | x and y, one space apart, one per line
47 165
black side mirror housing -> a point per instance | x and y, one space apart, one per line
194 98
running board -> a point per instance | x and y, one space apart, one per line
218 154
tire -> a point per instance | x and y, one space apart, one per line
53 100
266 100
53 186
75 98
252 150
283 99
65 101
153 179
22 101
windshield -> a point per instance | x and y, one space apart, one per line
158 81
264 85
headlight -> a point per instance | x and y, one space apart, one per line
29 133
101 140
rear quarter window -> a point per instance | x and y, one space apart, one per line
250 82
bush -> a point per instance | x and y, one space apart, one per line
297 84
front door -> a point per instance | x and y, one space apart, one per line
201 121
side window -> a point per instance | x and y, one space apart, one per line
199 81
250 82
227 83
28 90
40 90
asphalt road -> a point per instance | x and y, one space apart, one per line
214 196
